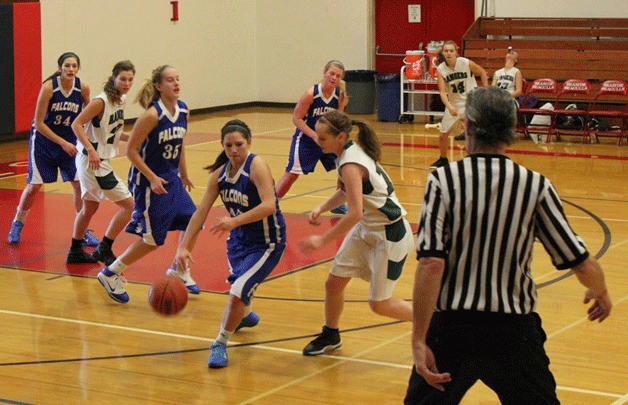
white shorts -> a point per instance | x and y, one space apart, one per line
449 120
366 253
101 184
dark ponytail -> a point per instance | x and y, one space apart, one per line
231 126
60 61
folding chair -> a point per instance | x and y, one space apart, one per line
575 120
615 95
544 90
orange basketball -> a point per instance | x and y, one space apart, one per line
168 296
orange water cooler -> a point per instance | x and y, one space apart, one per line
414 62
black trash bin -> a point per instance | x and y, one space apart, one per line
361 90
388 97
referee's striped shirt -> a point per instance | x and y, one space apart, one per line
482 214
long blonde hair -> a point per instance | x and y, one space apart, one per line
148 92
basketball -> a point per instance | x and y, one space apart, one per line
168 296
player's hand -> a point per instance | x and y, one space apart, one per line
452 110
69 148
93 159
187 183
601 307
310 244
183 259
222 225
157 186
425 365
314 217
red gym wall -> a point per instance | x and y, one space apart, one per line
20 65
26 62
440 20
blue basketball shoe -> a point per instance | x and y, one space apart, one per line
186 278
89 239
341 209
16 230
218 355
248 321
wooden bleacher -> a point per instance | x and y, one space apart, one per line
594 49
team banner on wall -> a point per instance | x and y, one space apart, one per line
7 91
20 65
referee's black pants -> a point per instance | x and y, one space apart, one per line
504 351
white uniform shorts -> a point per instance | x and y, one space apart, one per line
375 254
101 184
449 120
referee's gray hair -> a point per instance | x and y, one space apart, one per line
491 114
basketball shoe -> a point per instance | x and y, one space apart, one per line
16 230
341 209
186 278
89 239
114 285
104 254
248 321
217 355
327 341
76 256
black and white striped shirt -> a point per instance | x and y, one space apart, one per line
482 214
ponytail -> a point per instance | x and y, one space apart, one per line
343 91
113 94
148 92
367 138
338 122
231 126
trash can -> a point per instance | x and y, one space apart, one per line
388 97
361 90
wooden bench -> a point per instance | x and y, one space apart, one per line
595 49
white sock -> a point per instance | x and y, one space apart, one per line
20 215
224 335
117 266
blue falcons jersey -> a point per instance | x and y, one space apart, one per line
240 195
320 105
61 112
161 150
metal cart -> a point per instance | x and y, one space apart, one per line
413 88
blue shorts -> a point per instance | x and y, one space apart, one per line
45 161
156 214
249 267
305 153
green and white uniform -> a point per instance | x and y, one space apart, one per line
377 247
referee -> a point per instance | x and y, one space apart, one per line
473 287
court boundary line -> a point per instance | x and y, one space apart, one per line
341 359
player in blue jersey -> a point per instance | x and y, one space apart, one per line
257 231
158 179
99 131
52 144
304 152
378 238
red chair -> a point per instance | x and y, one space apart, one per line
543 89
575 121
615 95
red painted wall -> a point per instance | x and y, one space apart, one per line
27 62
440 20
